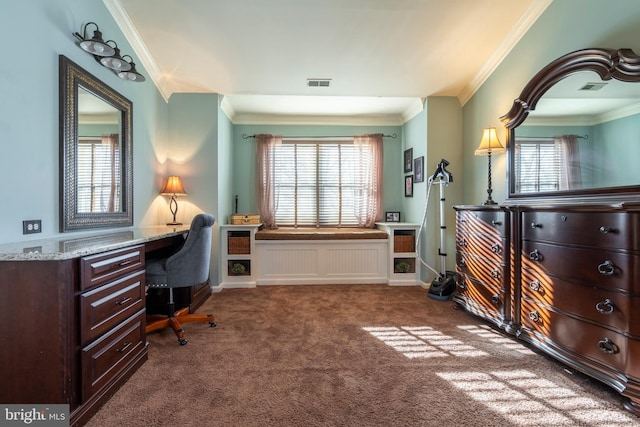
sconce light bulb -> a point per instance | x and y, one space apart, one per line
97 48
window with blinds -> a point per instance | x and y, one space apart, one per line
539 165
317 183
98 180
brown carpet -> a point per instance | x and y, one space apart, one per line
351 355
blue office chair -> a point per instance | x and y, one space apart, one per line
189 266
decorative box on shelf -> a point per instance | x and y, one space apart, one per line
237 219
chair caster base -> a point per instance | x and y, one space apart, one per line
182 341
213 324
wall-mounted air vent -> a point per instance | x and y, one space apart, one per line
593 86
318 82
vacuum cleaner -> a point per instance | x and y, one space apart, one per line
444 284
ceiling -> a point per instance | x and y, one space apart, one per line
383 57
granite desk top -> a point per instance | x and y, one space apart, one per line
73 246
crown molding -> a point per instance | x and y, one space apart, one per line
319 120
519 30
121 17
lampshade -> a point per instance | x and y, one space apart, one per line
173 187
131 74
95 45
489 143
115 61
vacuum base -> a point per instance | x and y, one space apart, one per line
443 287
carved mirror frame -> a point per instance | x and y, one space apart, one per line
621 64
73 77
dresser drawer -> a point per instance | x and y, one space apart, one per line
485 298
485 270
613 271
106 358
588 340
104 307
104 267
617 230
611 309
482 222
492 247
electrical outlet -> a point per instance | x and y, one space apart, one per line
31 226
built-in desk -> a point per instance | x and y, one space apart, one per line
72 315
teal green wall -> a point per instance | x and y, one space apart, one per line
244 155
566 26
35 33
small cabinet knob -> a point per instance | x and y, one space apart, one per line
463 242
495 299
496 223
495 248
535 225
495 273
604 229
605 307
607 346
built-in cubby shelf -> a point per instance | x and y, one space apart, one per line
402 252
237 250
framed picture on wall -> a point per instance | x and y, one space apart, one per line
408 160
408 186
418 169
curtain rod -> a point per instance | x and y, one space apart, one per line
550 137
245 136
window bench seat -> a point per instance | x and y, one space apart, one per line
297 256
321 234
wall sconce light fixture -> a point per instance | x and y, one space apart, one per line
108 55
489 144
173 188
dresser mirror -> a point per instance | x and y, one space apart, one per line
573 131
96 152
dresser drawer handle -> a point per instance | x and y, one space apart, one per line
123 301
462 285
495 273
495 299
463 242
535 285
607 268
495 248
124 347
535 225
534 315
463 263
535 255
607 346
496 223
605 307
605 230
125 263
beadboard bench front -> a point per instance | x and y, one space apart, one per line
321 256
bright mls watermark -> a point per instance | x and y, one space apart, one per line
36 415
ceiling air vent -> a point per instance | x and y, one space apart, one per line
593 86
318 82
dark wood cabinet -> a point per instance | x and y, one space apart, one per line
574 283
482 248
73 322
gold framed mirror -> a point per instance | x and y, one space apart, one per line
96 152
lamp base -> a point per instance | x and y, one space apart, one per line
488 202
174 223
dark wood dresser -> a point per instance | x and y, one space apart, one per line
574 288
72 313
482 257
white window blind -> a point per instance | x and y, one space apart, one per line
538 165
98 176
317 182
